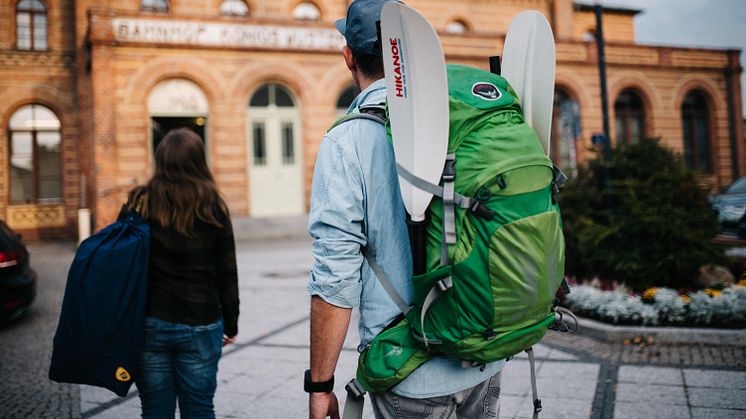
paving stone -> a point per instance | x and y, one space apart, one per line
557 354
550 383
522 408
650 375
128 409
707 413
650 393
627 410
511 405
562 370
99 395
543 352
718 379
720 397
540 351
516 378
559 408
552 380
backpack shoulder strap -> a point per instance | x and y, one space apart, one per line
369 252
375 113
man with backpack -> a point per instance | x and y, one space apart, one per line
356 204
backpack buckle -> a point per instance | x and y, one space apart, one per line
354 389
480 210
559 177
449 170
537 405
445 284
558 182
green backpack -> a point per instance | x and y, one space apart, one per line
495 252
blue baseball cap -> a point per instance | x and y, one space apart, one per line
359 28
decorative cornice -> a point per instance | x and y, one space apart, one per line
16 59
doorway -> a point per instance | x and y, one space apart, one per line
275 156
161 125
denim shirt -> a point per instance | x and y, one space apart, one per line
355 198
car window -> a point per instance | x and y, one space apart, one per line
738 186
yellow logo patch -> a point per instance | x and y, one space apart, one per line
122 375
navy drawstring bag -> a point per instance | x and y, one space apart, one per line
102 323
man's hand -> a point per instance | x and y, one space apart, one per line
321 405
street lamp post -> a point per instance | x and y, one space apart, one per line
602 75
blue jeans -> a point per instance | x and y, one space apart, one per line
179 361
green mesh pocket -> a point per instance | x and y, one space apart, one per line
526 266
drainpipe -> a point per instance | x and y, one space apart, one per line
731 72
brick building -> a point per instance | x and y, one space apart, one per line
88 88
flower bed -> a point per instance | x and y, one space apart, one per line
662 306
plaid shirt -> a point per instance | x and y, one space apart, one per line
194 280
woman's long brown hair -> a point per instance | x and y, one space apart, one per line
182 186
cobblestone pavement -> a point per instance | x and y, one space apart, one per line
725 357
26 345
260 376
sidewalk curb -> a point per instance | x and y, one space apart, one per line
678 335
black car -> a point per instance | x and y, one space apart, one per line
731 205
17 279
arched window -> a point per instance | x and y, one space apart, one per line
154 5
695 120
306 11
629 116
274 153
345 99
272 95
31 25
35 165
234 8
565 130
457 27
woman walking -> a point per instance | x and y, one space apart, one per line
192 308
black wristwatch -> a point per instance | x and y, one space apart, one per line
317 387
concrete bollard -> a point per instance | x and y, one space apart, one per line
84 224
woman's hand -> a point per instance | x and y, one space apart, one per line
227 340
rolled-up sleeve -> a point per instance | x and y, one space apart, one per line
336 225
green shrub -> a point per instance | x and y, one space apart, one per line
641 219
